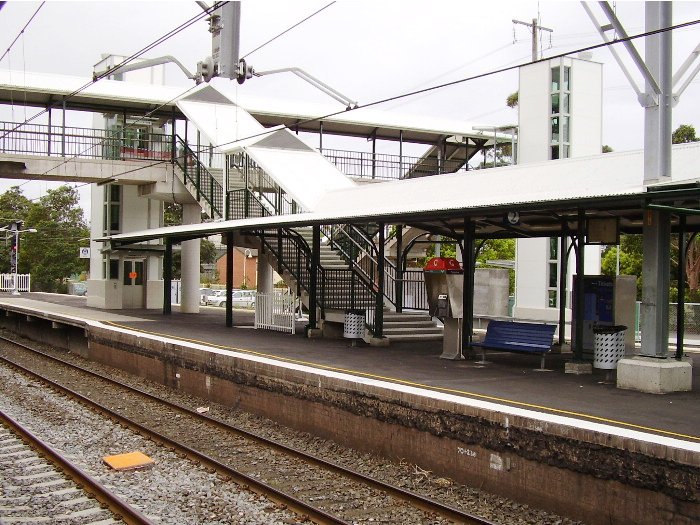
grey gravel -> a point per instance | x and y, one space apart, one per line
172 490
399 473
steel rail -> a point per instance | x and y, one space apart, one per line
416 500
243 480
116 505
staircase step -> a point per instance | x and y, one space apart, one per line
406 318
412 330
414 337
417 324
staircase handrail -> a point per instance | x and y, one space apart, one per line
260 182
206 186
362 294
371 252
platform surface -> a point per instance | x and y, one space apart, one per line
509 378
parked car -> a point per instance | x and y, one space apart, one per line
203 294
239 299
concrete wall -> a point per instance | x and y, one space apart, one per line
137 213
581 473
491 292
586 108
534 113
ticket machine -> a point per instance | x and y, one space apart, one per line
444 281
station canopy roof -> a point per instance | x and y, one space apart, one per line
44 90
544 199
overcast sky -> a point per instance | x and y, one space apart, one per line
366 49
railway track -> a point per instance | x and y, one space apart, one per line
312 487
39 484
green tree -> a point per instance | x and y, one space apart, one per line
172 214
630 259
684 133
512 100
498 250
14 206
51 254
607 149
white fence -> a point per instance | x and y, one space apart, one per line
7 282
274 311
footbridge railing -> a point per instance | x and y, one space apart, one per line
60 141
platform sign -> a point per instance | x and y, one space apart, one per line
598 309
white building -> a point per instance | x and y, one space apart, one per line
560 116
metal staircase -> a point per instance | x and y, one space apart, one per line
346 276
205 184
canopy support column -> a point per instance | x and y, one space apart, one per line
469 263
399 268
313 279
563 270
680 312
229 278
167 276
579 288
379 304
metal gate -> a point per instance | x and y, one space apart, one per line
19 282
274 311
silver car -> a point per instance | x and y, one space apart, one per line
239 299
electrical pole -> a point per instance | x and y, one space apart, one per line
535 33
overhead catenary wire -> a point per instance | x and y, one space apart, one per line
288 29
101 142
21 32
464 80
124 62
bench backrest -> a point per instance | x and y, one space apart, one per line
535 334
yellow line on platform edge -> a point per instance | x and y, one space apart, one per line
410 383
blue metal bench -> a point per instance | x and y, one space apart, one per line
512 336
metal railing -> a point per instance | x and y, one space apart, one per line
386 166
118 144
359 250
274 311
336 288
125 143
261 184
10 282
207 188
415 295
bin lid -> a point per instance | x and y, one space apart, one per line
615 329
442 264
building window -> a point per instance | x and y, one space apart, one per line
111 224
560 106
110 268
112 209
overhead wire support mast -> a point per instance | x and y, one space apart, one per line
536 28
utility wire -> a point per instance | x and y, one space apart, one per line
126 61
467 79
101 142
22 30
288 29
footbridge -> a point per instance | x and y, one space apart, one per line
246 161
